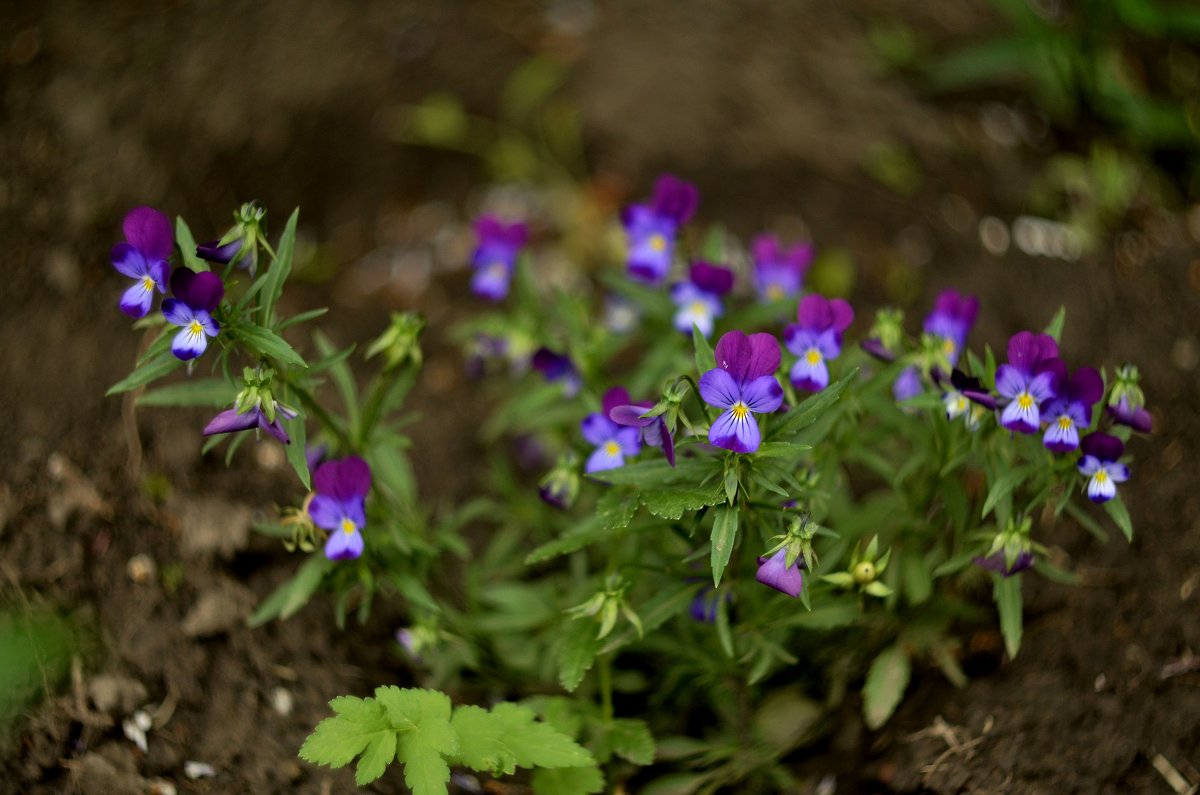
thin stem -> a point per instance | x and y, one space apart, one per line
606 702
324 417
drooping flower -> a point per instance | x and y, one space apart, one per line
143 257
972 389
1071 409
884 339
340 505
230 421
651 228
698 301
1028 380
612 441
1137 418
951 320
743 383
197 295
779 273
998 562
1101 465
775 573
240 242
654 430
1126 402
557 368
816 337
496 256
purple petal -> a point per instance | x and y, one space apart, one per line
765 248
343 480
150 232
606 456
1027 350
907 385
1022 419
997 562
136 301
614 397
344 546
212 251
809 376
843 314
129 261
711 278
326 512
748 357
275 428
813 313
741 435
1086 386
1103 447
197 290
177 312
763 395
717 388
598 429
229 421
629 440
189 343
775 573
876 348
667 443
674 198
1011 381
631 415
1139 419
491 282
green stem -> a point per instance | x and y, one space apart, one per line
606 702
324 417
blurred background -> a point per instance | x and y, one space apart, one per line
1033 152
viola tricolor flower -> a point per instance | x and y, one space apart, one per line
654 430
698 301
651 228
197 295
230 421
775 573
951 320
816 337
143 257
241 241
907 385
743 383
1124 414
1028 380
340 505
557 368
1101 465
1071 409
779 273
613 442
496 256
998 563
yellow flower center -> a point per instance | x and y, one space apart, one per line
699 308
740 410
195 328
948 347
612 448
658 243
147 283
1064 422
774 292
348 526
496 270
960 404
813 356
1025 401
1101 476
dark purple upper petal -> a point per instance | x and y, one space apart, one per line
748 357
1027 351
149 231
817 313
617 396
212 251
343 480
491 230
711 278
197 290
674 198
554 366
1102 446
1086 386
961 308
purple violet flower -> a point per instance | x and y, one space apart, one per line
651 228
612 441
1137 418
1071 409
907 385
213 251
654 431
698 301
339 505
875 347
1028 380
496 256
143 257
999 564
972 389
779 273
1101 465
556 367
952 317
197 295
706 603
775 573
743 383
816 337
229 421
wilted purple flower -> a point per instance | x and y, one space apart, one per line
972 389
653 430
197 295
998 563
557 368
816 337
779 273
229 421
698 301
143 257
340 505
496 256
1101 465
613 442
907 385
952 317
1071 410
651 228
775 573
1028 380
875 347
706 603
1137 418
743 383
223 254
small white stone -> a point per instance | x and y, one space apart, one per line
282 701
195 770
993 234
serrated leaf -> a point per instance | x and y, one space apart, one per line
660 608
1007 593
379 753
420 710
724 533
616 509
591 531
671 503
577 649
628 738
337 740
657 472
510 736
268 343
152 370
205 392
811 409
1117 511
425 771
703 354
279 270
885 685
568 781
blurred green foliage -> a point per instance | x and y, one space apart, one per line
35 655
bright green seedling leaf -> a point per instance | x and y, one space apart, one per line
1055 327
204 392
811 409
705 358
152 370
724 533
568 781
280 269
510 736
268 343
1007 593
187 246
671 504
423 719
627 738
1117 511
359 726
886 681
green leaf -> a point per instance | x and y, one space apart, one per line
828 614
918 583
298 434
303 317
568 781
510 736
356 724
704 357
1004 487
786 450
529 86
187 246
280 269
1117 511
425 771
423 718
627 738
268 343
657 472
1007 593
592 531
379 753
671 503
885 685
616 509
206 392
577 649
811 409
293 594
724 533
1055 327
152 370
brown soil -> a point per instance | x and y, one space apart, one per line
772 108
